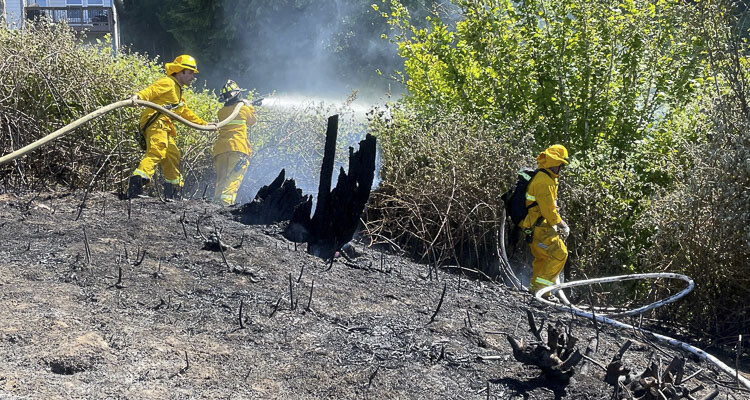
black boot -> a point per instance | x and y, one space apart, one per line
170 192
135 187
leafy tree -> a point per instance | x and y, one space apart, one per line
581 73
608 79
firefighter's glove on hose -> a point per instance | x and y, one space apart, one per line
562 229
133 98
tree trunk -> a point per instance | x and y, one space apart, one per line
338 211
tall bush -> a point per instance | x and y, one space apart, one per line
702 227
606 79
50 78
441 181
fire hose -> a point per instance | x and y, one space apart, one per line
606 318
103 110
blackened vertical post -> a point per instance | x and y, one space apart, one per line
326 171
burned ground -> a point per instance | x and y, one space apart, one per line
85 314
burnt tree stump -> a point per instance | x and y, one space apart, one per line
556 357
338 211
273 203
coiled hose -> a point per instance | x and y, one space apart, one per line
103 110
604 318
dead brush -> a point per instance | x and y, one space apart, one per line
439 197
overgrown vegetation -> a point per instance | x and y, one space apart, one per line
647 95
701 227
50 78
441 184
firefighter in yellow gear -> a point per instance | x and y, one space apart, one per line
543 223
159 130
232 151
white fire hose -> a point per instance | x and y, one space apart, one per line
606 318
103 110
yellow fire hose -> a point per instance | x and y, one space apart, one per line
103 110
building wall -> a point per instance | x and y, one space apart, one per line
14 8
14 12
63 3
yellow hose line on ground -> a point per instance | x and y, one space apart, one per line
101 111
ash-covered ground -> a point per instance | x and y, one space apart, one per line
85 314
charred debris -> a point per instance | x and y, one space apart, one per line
338 210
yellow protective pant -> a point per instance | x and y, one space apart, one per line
161 149
550 255
230 170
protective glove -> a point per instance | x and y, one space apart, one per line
133 98
562 229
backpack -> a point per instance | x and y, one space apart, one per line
515 201
515 197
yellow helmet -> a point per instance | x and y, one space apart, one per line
181 62
230 91
554 155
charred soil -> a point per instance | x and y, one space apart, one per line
132 300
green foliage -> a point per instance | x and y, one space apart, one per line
650 97
701 227
50 78
579 73
607 79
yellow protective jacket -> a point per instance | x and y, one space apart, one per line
543 190
167 91
233 136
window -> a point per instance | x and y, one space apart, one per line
75 14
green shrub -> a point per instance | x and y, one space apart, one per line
50 78
702 228
580 74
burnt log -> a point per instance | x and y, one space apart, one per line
273 203
337 212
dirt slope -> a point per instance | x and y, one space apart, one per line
68 331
